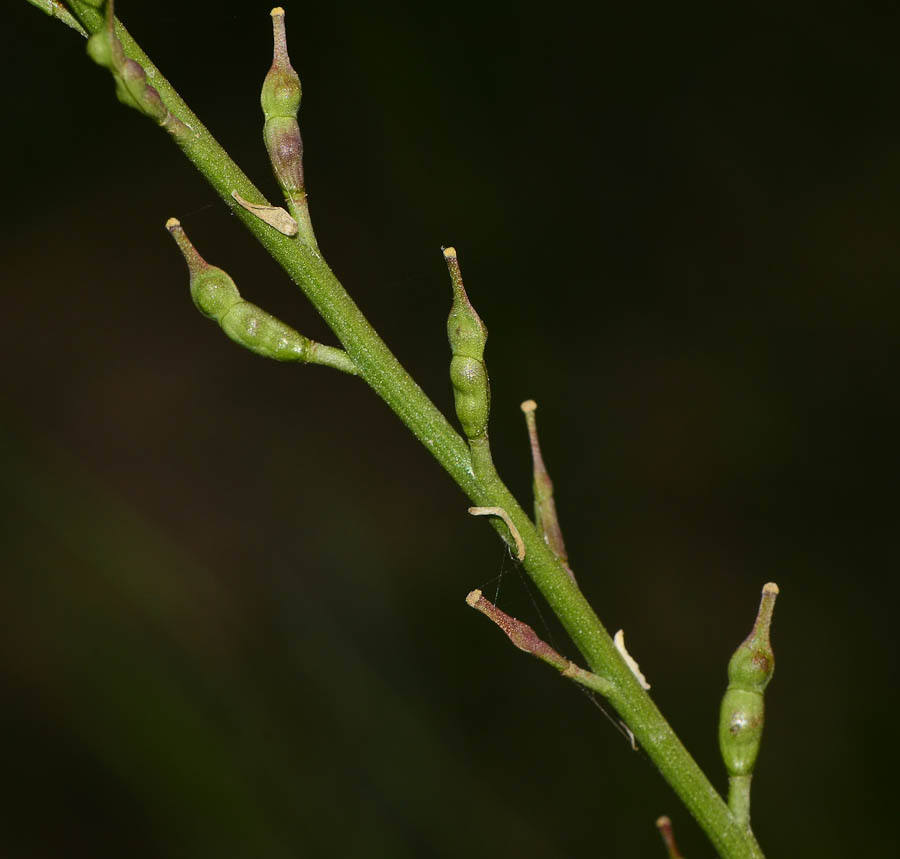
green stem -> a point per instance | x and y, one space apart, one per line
381 370
739 798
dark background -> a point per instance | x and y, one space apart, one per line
232 599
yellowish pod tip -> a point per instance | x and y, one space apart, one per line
528 406
770 588
664 825
473 597
172 223
277 11
449 253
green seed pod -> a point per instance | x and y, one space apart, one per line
467 335
260 332
465 330
471 394
216 296
749 671
280 99
285 148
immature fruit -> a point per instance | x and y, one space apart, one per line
749 672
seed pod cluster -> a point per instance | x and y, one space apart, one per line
132 89
749 672
280 99
468 374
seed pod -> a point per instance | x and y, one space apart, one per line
468 374
132 89
216 296
280 99
749 671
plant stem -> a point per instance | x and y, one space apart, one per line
739 798
381 370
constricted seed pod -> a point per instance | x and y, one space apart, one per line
215 295
749 672
280 99
468 374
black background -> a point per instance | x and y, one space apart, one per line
232 601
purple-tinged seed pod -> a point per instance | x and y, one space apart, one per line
285 148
